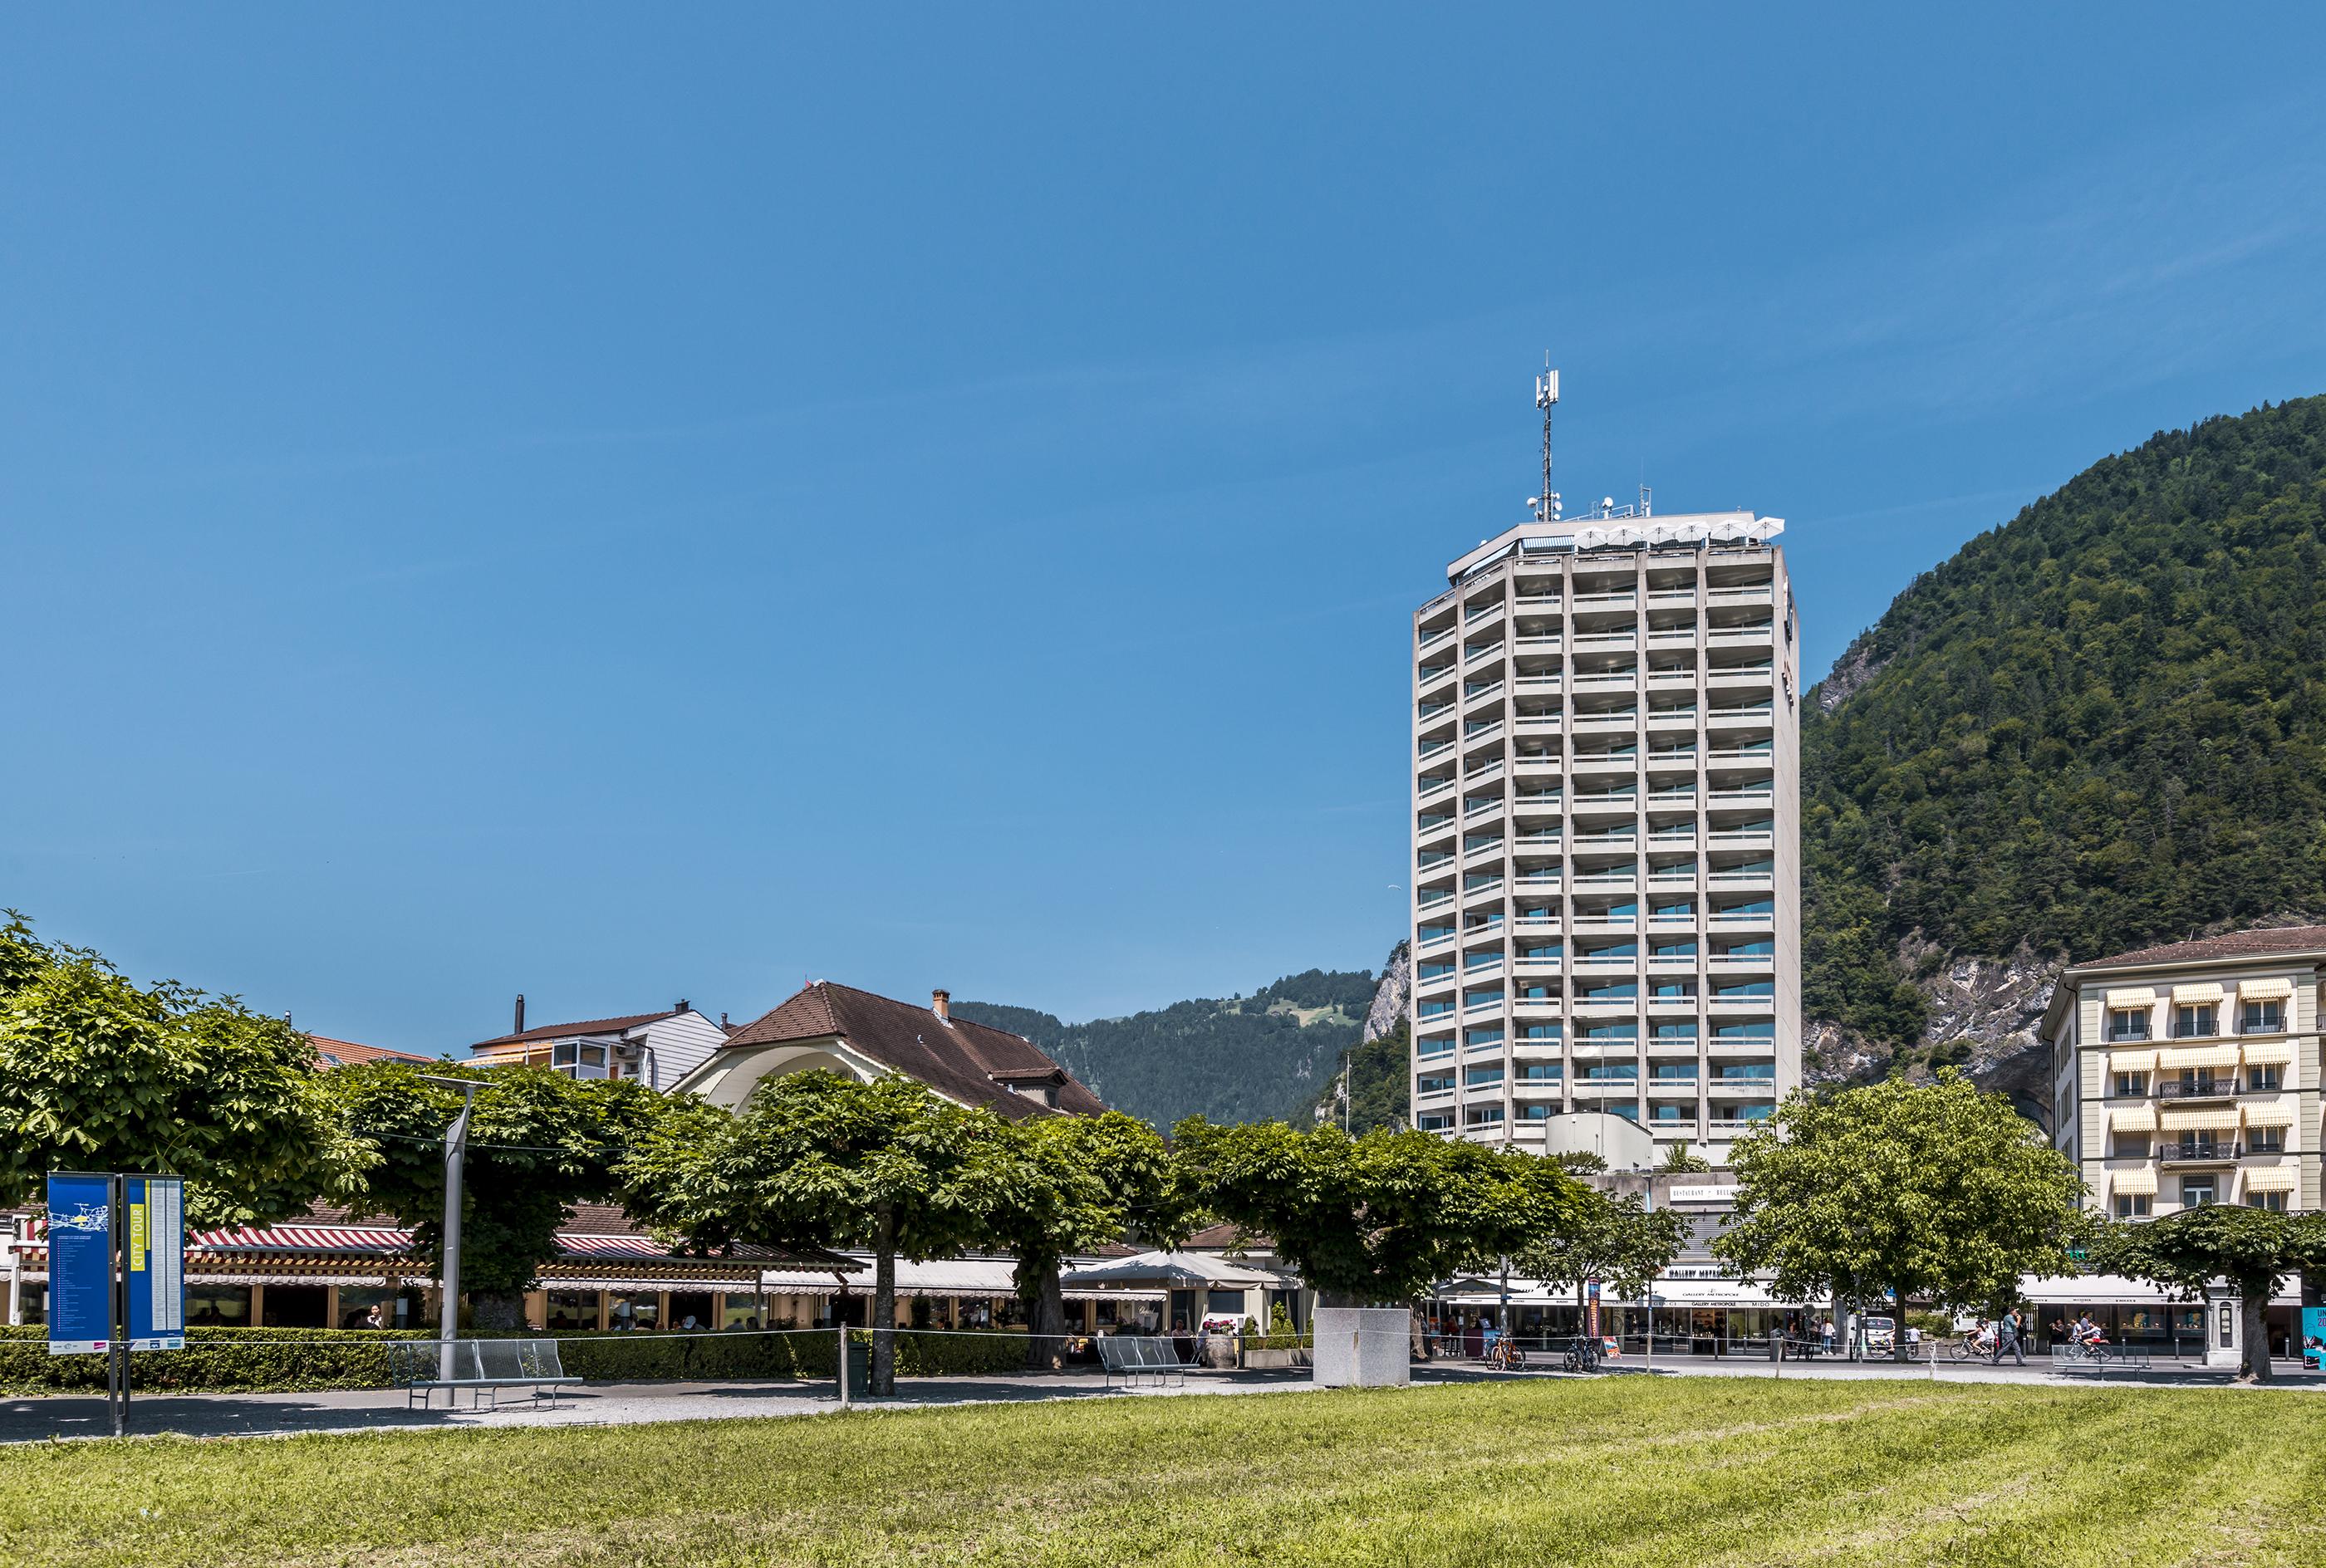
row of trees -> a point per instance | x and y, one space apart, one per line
1936 1192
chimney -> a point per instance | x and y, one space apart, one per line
520 1014
683 1005
941 1003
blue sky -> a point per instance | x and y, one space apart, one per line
617 508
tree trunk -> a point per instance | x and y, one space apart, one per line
1039 1292
1418 1332
497 1309
884 1303
1898 1327
2253 1308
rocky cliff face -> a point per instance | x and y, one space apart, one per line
1395 991
1854 669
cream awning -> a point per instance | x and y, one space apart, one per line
2140 1183
2133 996
2263 990
2269 1053
2173 1058
2270 1179
2179 1119
2190 996
2134 1119
2269 1113
2132 1061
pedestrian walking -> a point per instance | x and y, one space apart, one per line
2006 1338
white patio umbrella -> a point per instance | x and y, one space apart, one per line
1175 1270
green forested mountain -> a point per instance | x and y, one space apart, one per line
1243 1059
2100 725
1376 1073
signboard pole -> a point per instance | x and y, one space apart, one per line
118 1294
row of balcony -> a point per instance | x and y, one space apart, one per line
1545 598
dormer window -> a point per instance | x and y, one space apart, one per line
578 1059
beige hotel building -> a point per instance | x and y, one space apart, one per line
1606 853
2188 1074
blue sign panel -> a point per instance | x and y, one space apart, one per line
81 1264
156 1252
2314 1336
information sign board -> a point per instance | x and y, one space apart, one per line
156 1252
81 1264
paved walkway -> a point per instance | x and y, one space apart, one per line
213 1415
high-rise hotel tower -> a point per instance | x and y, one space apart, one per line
1606 904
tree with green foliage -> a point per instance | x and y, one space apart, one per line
1935 1191
1372 1078
1379 1218
2255 1250
538 1143
97 1073
1064 1184
2098 726
1679 1162
1619 1242
813 1159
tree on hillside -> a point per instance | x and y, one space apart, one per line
539 1142
2100 725
2253 1249
1935 1191
1375 1220
1372 1075
1618 1241
97 1073
1064 1184
818 1160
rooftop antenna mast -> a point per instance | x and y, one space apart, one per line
1545 398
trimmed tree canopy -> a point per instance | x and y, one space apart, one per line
1936 1190
1378 1218
97 1073
2253 1249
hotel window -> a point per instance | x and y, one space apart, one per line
2126 1024
1434 1121
1540 1072
1483 1077
2129 1145
2264 1017
1666 1113
576 1058
2264 1140
1485 1116
2196 1022
2273 1201
2196 1192
2134 1084
2132 1205
2264 1078
1433 1083
1539 1032
1536 1110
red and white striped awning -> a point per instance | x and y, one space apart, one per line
304 1238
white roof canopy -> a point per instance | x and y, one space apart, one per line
1174 1270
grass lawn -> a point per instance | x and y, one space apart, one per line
1611 1470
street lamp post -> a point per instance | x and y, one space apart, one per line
456 1149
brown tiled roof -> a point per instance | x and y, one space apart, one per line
962 1061
567 1031
2235 944
348 1053
1226 1237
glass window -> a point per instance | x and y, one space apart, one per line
641 1311
1483 1077
2264 1017
1666 1112
2273 1201
1683 1030
2126 1024
1435 1046
1753 1029
1540 1032
35 1300
1433 1083
2132 1083
1536 1110
1485 1116
2190 1022
2263 1078
1223 1301
2132 1205
2196 1192
1676 1072
2265 1140
1540 1072
1605 1070
2129 1145
1734 1072
572 1309
1434 1120
218 1306
369 1307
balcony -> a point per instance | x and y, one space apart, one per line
1431 639
1606 601
2198 1152
1755 593
1484 651
2188 1090
1490 689
1476 613
1671 596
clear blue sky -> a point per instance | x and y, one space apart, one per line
618 506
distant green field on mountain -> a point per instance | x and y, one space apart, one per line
1241 1059
2100 725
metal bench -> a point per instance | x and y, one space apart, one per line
1131 1357
482 1367
2097 1359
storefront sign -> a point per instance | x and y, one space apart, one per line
157 1262
81 1264
1685 1193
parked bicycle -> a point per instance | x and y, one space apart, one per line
1504 1354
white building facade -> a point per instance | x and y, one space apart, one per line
2188 1074
1606 909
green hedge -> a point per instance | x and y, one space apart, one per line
259 1360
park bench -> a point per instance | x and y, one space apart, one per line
2097 1359
482 1367
1131 1357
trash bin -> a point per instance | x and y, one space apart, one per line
860 1368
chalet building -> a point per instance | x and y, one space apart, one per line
659 1048
866 1036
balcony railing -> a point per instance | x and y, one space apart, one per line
2197 1089
2197 1153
